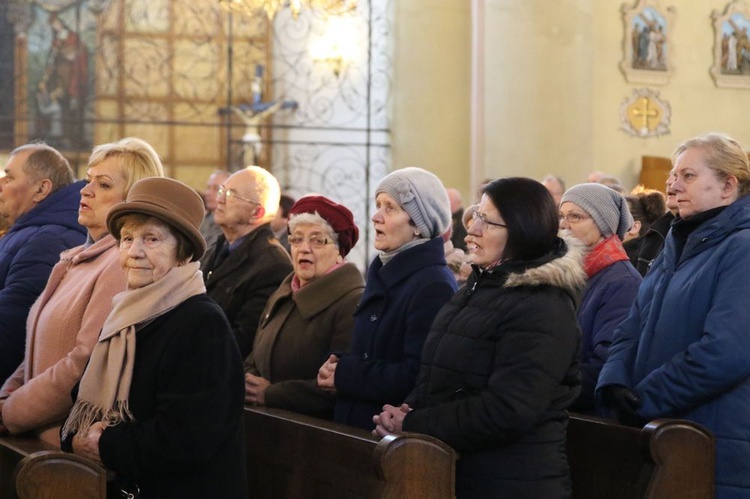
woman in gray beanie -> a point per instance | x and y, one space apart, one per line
407 284
599 217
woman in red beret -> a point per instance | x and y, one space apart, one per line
311 315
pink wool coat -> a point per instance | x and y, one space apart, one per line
61 331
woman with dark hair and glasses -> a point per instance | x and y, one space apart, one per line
599 217
499 367
310 315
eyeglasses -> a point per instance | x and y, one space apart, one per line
481 221
315 242
231 193
573 217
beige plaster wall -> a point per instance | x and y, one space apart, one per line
553 88
698 106
431 88
538 86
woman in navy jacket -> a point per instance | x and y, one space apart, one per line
407 283
683 352
599 217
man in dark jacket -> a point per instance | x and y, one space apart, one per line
40 201
247 263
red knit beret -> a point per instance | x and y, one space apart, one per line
338 217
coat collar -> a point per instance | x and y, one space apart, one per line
243 252
735 217
80 254
381 278
406 263
565 271
59 208
319 294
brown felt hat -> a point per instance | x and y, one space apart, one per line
168 200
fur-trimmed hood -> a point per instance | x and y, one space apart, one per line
565 271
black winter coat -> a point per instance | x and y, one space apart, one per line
644 250
187 397
499 369
242 283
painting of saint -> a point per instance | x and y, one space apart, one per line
60 78
735 45
649 39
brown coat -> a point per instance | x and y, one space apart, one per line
297 332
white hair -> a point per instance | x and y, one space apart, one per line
313 219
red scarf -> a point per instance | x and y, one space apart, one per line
603 255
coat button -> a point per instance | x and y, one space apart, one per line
373 318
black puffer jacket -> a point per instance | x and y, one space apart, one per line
499 369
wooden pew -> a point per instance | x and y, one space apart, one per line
294 456
33 469
667 459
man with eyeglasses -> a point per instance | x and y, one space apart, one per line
247 263
209 229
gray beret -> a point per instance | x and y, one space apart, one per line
422 195
607 207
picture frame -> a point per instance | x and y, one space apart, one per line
645 114
731 67
647 42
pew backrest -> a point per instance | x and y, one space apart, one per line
666 459
33 469
295 456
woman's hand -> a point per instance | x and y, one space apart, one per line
88 446
327 373
390 421
255 389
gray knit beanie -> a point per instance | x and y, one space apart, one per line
607 207
422 195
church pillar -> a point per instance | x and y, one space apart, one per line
532 88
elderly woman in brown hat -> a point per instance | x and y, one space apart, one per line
310 315
160 402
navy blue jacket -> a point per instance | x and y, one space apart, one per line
400 301
606 302
28 252
685 350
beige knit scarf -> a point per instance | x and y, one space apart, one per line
105 386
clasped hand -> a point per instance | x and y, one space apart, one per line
624 403
255 389
390 421
327 374
88 446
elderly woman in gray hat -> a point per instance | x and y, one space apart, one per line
407 284
160 402
599 217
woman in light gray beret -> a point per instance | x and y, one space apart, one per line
407 284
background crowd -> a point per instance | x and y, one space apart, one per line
128 303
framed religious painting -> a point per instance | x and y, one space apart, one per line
647 42
731 67
54 71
